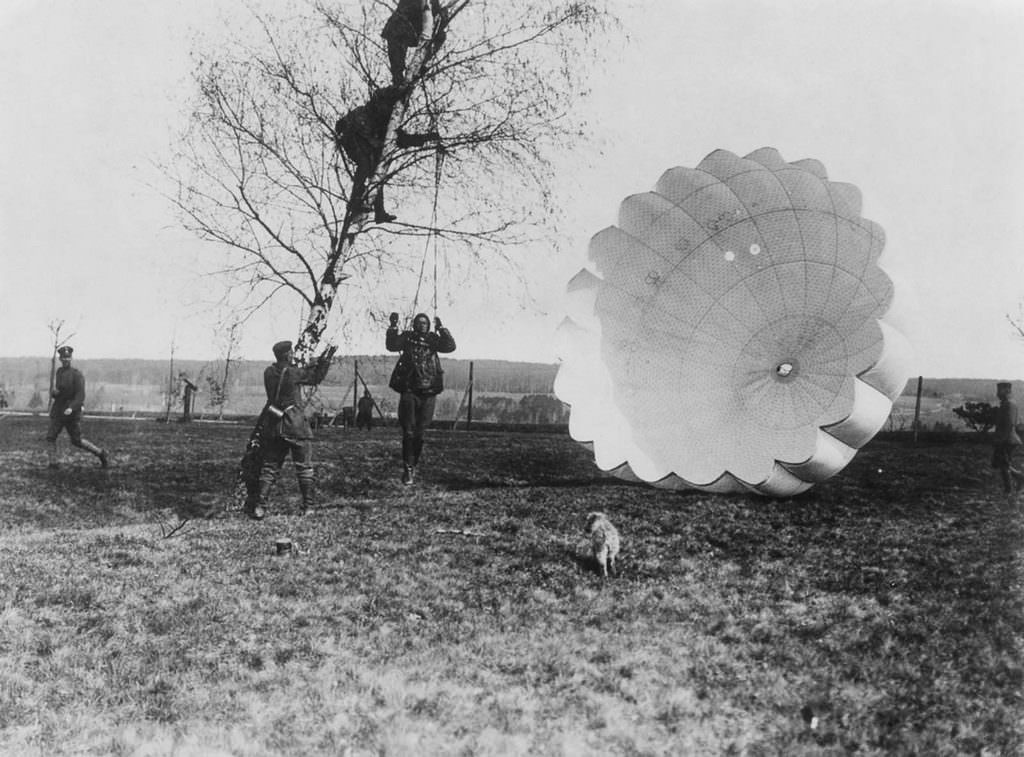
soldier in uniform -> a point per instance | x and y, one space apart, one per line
364 411
66 411
418 378
285 412
360 134
402 31
1005 439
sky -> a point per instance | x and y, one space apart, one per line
917 102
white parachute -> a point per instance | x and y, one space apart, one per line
733 335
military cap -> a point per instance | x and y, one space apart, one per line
281 349
1004 385
65 351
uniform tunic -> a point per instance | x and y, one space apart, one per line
68 392
296 436
1005 438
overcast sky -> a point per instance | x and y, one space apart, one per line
917 102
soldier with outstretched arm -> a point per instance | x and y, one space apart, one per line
286 430
418 378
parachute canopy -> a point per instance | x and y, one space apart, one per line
732 333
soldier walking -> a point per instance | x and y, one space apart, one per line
68 394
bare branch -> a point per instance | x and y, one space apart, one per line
260 176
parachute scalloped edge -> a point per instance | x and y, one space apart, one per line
700 346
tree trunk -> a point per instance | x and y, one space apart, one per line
352 224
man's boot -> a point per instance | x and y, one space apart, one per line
53 459
408 459
90 447
379 214
405 140
257 510
308 490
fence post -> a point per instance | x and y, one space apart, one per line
917 409
469 409
355 387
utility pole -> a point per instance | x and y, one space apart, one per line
469 408
355 387
170 385
917 408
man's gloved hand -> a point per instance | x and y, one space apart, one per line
393 318
437 324
67 411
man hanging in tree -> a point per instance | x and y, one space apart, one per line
285 427
418 378
66 411
360 134
505 96
403 29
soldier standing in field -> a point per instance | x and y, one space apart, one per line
1005 439
68 395
364 411
285 414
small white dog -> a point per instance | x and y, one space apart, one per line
604 542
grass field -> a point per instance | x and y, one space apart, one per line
880 613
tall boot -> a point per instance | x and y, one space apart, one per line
53 459
257 510
405 139
407 459
308 488
101 454
379 214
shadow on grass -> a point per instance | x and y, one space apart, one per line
459 481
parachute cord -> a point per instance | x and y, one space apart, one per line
438 170
432 237
419 281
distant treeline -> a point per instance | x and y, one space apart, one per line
967 389
489 375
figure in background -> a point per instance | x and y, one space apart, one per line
418 378
1005 439
68 394
403 29
364 411
360 134
286 429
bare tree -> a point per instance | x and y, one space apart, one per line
1017 321
230 335
259 173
